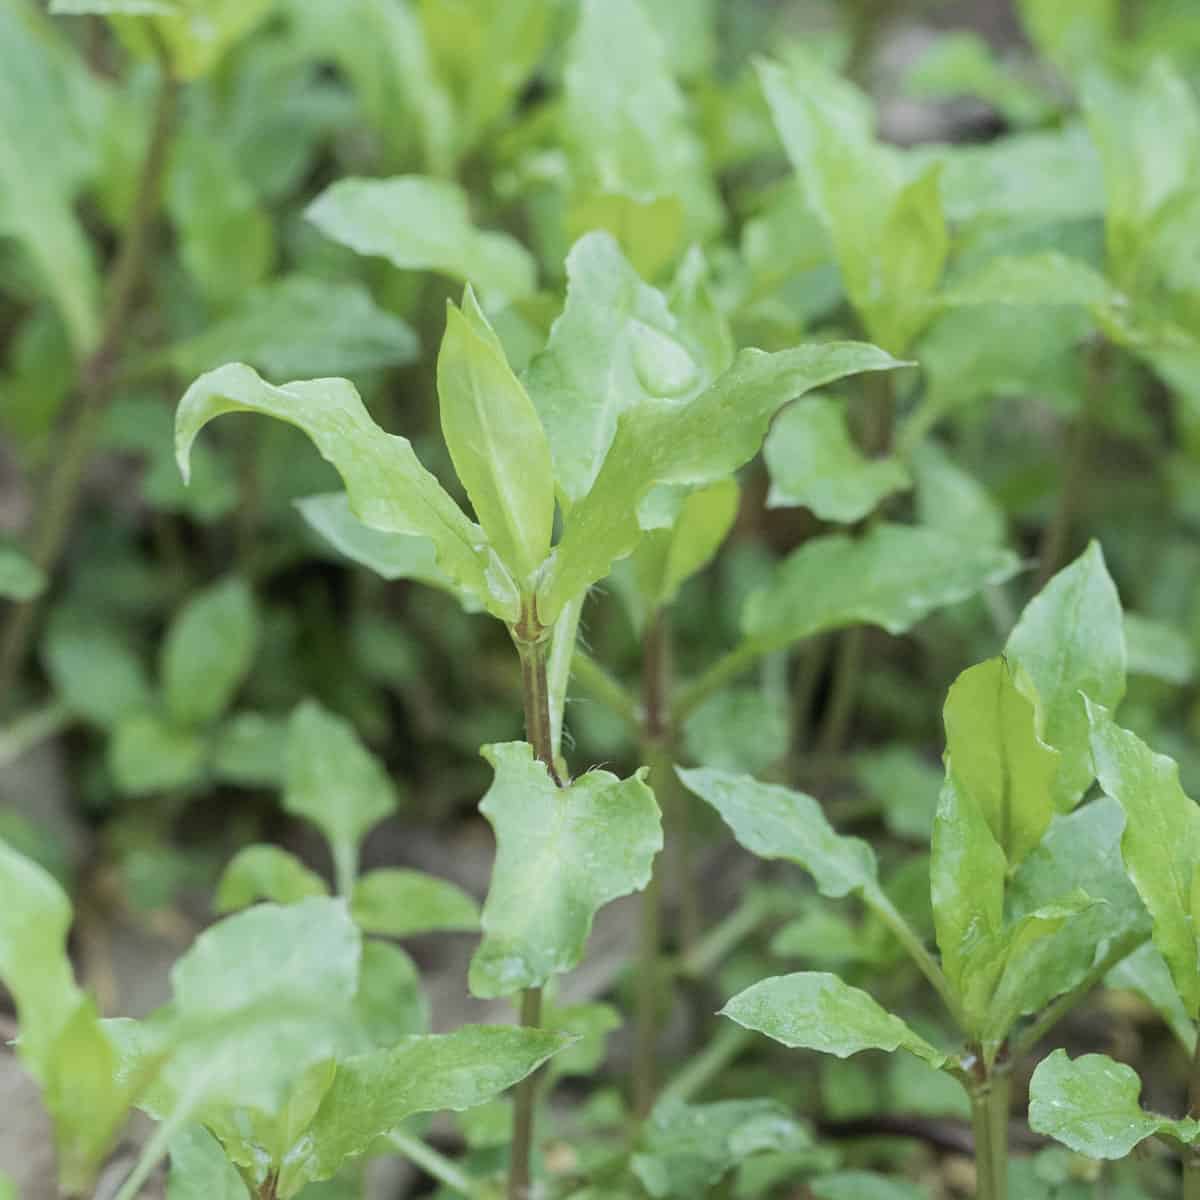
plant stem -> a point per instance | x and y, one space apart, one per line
721 1050
563 645
601 686
906 936
1057 534
989 1093
729 666
1053 1013
847 668
32 729
531 640
1191 1155
656 751
727 934
435 1164
83 418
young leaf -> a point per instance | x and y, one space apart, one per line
391 556
893 576
561 855
335 782
694 443
614 345
1160 845
390 1003
966 887
997 758
952 501
496 441
300 326
249 750
373 1093
1070 640
775 822
20 577
1091 1105
398 903
265 873
814 1011
625 125
423 224
1046 278
201 1170
685 1149
666 558
388 488
208 652
147 755
814 463
95 673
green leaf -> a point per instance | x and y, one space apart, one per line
1038 279
390 1002
966 886
952 501
249 750
265 873
815 464
997 758
893 576
1158 650
20 578
1145 972
94 671
666 558
888 232
625 122
334 782
200 1169
300 326
738 729
775 822
132 8
389 490
811 1010
496 441
1160 845
861 1185
43 90
373 1093
687 1148
695 443
148 755
208 652
1091 1105
1147 132
197 33
391 556
615 344
423 224
561 855
1071 33
1070 640
399 903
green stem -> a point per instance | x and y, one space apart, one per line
435 1164
728 667
601 686
60 496
907 937
531 640
656 743
989 1092
726 935
847 670
559 667
1053 1013
345 867
721 1051
32 729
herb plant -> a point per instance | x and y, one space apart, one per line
751 419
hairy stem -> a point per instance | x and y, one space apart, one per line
82 420
907 937
533 647
656 743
